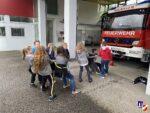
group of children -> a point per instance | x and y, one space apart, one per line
50 62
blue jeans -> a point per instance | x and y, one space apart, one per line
69 77
104 67
88 72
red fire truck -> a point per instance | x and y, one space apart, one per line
126 30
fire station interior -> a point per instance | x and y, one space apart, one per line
88 24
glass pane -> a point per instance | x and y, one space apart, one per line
20 19
2 31
52 7
17 31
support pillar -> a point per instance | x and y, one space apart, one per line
148 83
42 21
70 25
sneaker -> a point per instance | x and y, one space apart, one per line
80 80
51 98
102 77
97 73
65 86
90 80
106 74
75 92
33 85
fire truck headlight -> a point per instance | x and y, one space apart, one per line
135 43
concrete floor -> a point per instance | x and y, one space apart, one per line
114 94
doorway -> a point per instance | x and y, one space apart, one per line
49 31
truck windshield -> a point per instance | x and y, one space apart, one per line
132 21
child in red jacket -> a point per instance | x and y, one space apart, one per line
106 56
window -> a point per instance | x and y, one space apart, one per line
52 7
17 31
128 21
21 19
2 31
131 19
1 18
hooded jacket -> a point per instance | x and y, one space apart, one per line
105 53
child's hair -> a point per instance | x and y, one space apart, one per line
36 41
60 51
25 51
50 45
38 55
80 46
103 43
94 50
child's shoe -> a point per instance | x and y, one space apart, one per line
102 77
75 92
90 80
65 86
51 98
33 85
80 80
97 73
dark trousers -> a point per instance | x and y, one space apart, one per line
33 75
93 67
44 79
52 66
88 72
99 66
51 80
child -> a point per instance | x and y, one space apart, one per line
42 67
36 45
83 61
67 55
98 62
92 64
51 53
61 65
65 46
106 57
27 55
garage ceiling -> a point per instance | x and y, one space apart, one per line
105 2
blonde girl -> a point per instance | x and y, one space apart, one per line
83 61
42 67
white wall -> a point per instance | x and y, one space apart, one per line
88 12
9 42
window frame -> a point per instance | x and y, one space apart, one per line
4 31
22 30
